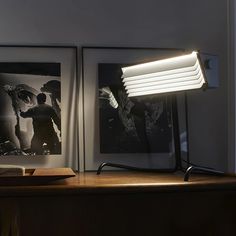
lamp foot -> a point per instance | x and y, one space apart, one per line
202 169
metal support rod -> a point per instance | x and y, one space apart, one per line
187 128
177 143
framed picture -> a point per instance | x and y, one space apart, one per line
38 87
137 132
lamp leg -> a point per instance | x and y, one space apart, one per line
133 168
202 169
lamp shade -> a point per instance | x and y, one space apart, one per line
169 75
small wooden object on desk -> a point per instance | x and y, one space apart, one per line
18 175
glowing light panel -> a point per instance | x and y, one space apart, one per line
163 76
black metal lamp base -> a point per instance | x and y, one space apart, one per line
186 175
177 147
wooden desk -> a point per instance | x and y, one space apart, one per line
124 203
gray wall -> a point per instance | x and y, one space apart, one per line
198 24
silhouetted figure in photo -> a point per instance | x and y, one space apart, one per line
43 116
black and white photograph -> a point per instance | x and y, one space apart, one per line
30 98
38 106
131 125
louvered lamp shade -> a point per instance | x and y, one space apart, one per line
169 75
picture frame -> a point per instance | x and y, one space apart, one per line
92 58
25 72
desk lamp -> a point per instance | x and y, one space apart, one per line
172 75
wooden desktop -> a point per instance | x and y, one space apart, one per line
121 203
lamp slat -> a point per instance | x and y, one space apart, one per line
166 90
